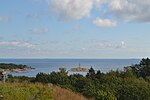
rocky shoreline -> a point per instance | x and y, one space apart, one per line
8 68
16 70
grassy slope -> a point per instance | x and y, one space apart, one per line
29 91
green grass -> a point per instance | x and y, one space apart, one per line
25 91
37 91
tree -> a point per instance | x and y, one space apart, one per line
63 71
91 73
142 69
41 77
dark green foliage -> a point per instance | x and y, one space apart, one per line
60 77
11 78
42 77
142 69
12 66
89 89
91 73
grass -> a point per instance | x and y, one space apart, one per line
37 91
63 94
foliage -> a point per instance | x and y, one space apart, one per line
131 84
36 91
91 73
103 95
24 91
12 66
142 69
10 78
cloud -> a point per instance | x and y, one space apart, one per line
121 45
99 3
104 44
4 18
17 44
130 10
104 22
72 9
83 49
124 10
39 31
109 45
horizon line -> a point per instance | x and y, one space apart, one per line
71 57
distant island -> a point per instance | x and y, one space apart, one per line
17 68
79 69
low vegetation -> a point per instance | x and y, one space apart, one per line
24 91
131 84
37 91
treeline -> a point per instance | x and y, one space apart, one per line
13 66
131 84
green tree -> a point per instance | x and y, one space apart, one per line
91 73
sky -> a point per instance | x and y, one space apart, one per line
74 28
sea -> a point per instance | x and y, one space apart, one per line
50 65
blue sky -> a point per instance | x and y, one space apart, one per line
74 28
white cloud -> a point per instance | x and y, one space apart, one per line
121 45
72 9
108 45
39 31
98 3
130 10
120 10
104 44
127 10
104 22
17 44
83 49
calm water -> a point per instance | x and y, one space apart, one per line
49 65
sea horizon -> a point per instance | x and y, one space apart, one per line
64 58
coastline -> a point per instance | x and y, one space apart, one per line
49 65
18 70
